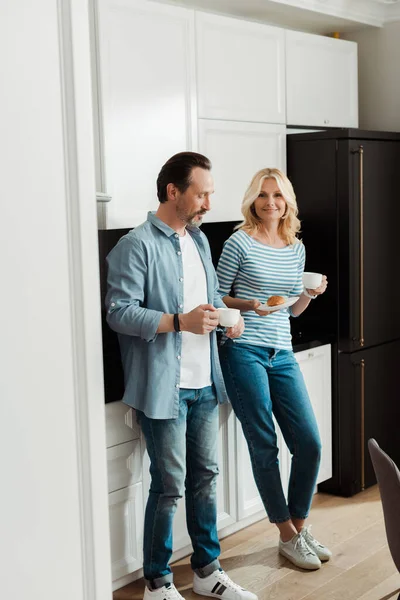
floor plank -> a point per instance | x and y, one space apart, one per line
361 567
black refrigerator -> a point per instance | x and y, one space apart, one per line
347 184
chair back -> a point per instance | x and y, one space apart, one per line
388 476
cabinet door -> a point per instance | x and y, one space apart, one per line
249 500
240 70
238 151
126 530
321 81
315 364
146 96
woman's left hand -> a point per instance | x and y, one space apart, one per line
236 330
321 288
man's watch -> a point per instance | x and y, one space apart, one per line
308 295
177 325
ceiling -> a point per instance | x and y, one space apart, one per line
315 16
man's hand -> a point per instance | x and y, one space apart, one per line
236 331
200 320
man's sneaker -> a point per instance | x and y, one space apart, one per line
321 551
166 592
297 551
219 585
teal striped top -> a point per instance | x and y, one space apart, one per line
250 270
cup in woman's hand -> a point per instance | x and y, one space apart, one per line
312 281
228 317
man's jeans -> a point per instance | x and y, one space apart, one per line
183 455
260 382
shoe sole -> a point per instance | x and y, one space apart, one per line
307 567
209 594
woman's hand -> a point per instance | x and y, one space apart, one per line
252 305
321 288
236 330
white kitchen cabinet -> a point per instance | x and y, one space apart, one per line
146 94
237 151
240 70
321 81
121 424
126 530
124 465
315 364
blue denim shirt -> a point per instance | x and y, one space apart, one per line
145 280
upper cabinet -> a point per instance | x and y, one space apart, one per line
321 81
240 70
146 83
237 151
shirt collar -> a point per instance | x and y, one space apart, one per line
154 220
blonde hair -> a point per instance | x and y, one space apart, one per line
289 225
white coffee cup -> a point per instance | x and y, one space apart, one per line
312 280
228 317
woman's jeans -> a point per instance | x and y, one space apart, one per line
261 382
183 455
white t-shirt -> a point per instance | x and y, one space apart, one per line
196 357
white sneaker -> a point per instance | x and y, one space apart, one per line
166 592
219 585
297 551
321 551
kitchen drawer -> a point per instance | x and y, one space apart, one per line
124 465
121 424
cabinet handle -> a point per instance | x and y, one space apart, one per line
360 153
362 403
100 197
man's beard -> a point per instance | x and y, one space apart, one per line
190 219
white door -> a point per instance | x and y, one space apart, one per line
240 70
237 151
315 364
146 97
321 80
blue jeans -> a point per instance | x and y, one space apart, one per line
183 455
261 382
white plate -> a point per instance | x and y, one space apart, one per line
289 302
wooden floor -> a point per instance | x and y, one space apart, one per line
353 528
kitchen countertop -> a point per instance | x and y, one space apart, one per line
303 342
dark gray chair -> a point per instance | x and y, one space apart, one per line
388 476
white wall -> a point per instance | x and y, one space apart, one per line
53 504
379 76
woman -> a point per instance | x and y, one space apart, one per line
265 258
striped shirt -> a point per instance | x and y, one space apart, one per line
250 270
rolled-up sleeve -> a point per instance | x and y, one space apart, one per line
127 273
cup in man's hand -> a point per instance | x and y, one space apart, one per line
228 317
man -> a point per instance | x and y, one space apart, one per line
162 301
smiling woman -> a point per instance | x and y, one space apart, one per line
264 262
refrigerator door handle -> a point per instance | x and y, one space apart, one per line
362 411
360 152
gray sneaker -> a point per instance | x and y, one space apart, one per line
321 551
299 553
